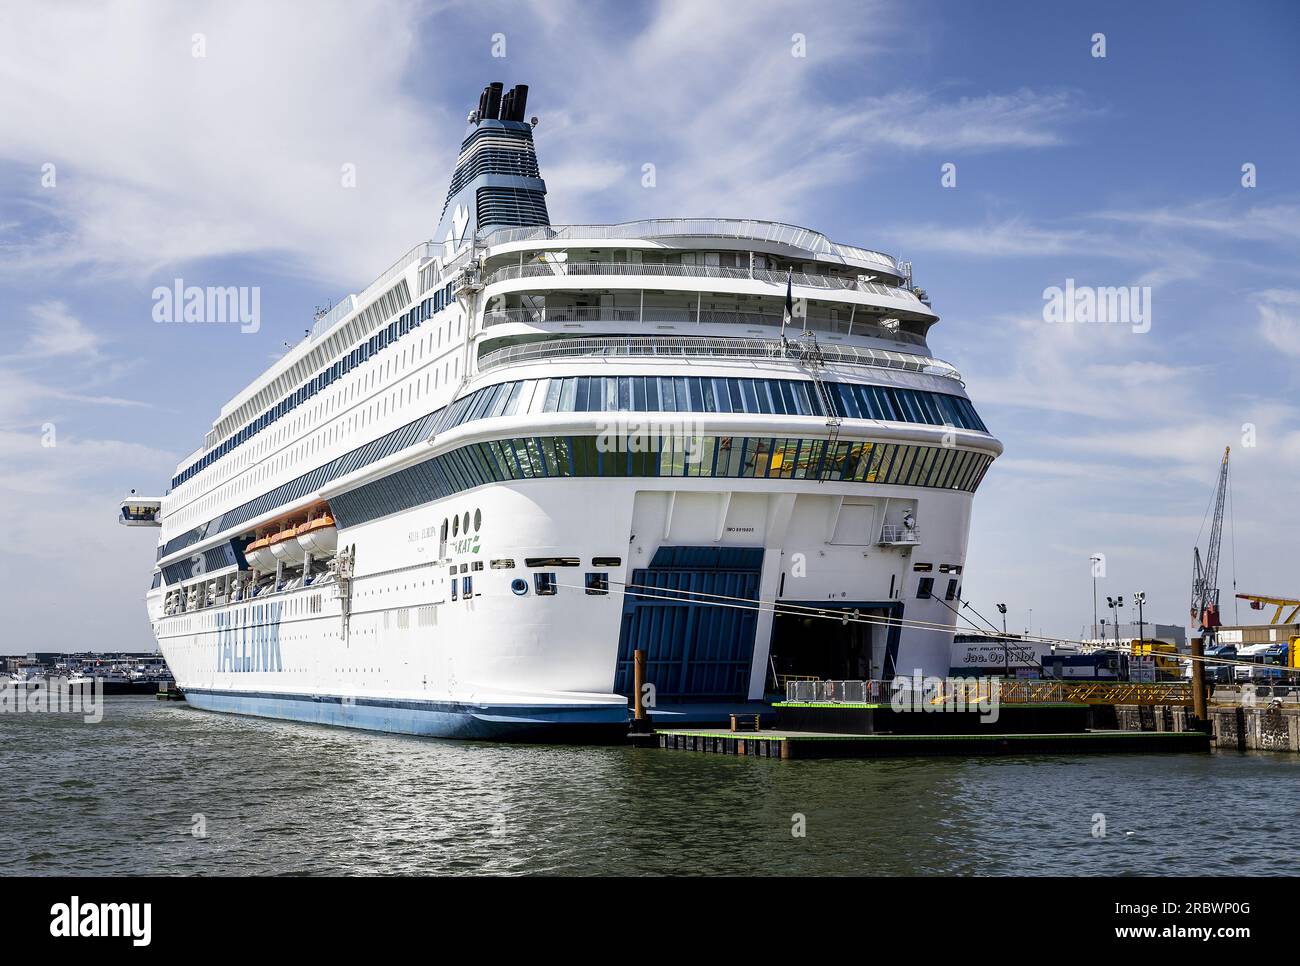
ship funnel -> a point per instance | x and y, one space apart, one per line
493 107
496 182
518 104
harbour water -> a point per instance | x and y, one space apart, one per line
127 796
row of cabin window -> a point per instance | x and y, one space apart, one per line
377 408
703 394
544 585
354 459
376 343
715 456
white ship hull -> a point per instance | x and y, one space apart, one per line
538 465
410 659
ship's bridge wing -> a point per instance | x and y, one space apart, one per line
140 511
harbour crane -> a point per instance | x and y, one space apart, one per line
1285 652
1259 602
1205 576
1205 593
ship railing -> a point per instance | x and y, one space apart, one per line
678 346
651 315
1258 695
804 239
417 254
893 533
803 279
347 305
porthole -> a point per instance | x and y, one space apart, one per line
465 525
455 526
444 528
519 586
478 520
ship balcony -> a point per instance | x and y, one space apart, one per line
732 232
842 322
667 347
564 274
894 535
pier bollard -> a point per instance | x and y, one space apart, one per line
640 719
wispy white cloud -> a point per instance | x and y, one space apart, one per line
57 332
168 158
1279 319
1014 237
1228 217
164 157
737 125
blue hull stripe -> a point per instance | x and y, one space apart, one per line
436 719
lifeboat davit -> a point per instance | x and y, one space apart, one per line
285 547
319 537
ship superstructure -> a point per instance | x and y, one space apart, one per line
526 451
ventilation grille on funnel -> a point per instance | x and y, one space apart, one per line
511 206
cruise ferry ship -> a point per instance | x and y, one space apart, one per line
527 451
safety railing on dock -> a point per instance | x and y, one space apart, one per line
1004 691
838 692
1255 695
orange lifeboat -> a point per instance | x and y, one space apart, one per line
258 553
284 547
319 536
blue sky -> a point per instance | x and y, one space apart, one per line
225 170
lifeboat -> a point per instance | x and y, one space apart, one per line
258 553
318 536
284 547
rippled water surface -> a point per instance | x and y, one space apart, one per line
122 797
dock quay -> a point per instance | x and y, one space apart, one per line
987 716
809 744
1256 717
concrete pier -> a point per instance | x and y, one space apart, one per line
1256 717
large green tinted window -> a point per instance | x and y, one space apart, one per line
541 457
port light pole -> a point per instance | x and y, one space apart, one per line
1095 559
1006 652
